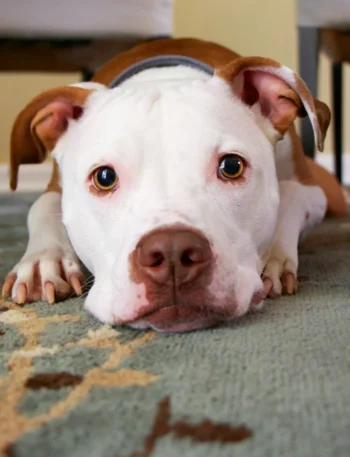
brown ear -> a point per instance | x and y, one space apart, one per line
324 116
40 124
281 94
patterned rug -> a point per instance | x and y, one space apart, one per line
272 384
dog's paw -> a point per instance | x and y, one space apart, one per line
49 275
279 276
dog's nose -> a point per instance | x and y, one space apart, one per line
173 255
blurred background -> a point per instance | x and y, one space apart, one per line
250 27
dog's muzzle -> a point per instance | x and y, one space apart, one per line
175 265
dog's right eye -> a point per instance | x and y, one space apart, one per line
105 179
231 166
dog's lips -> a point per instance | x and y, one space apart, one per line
179 318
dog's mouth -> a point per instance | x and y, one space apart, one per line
179 318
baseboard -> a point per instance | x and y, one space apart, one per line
34 178
327 161
31 178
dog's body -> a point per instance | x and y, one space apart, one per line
178 243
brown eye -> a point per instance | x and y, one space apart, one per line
231 166
105 178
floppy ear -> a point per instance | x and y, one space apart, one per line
281 94
323 114
41 123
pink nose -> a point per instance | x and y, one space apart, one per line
170 255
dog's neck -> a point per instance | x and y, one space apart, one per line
164 70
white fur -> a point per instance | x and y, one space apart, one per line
166 76
284 159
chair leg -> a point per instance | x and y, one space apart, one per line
86 75
337 88
308 69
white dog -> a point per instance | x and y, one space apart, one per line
183 188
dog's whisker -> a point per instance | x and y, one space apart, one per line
88 282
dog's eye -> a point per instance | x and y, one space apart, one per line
231 166
105 178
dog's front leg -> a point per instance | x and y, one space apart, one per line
49 269
301 207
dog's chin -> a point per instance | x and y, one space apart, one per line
177 318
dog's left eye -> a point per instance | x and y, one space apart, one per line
231 166
105 178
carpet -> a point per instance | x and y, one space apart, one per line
272 384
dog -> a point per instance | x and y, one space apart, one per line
178 180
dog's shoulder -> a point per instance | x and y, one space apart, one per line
293 164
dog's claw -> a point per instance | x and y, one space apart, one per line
267 286
279 276
269 290
76 284
49 292
8 284
21 295
290 283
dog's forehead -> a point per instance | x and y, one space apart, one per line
183 122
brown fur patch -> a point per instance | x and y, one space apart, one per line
26 148
233 69
3 309
207 52
2 333
204 432
323 114
53 381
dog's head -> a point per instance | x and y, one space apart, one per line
170 196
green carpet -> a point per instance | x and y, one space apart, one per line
274 384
